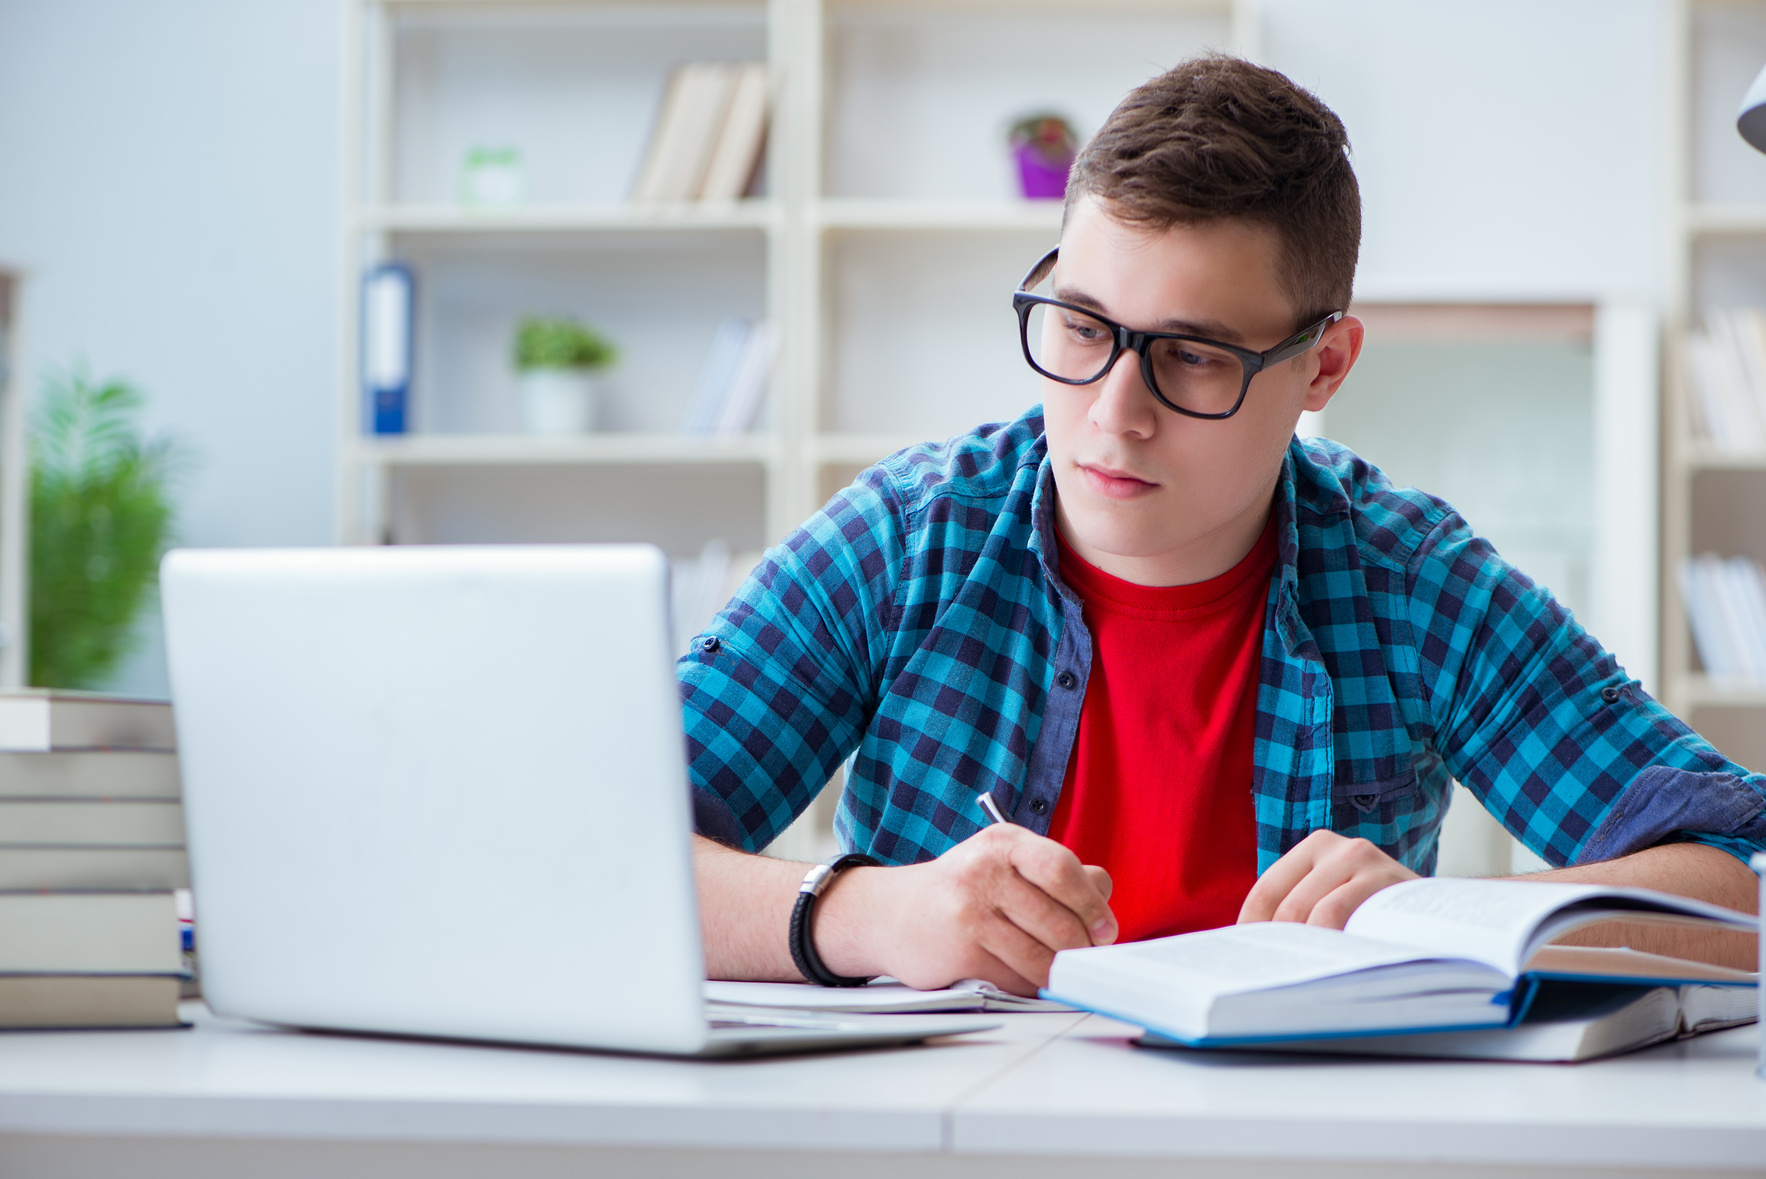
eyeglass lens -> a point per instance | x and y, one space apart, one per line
1073 346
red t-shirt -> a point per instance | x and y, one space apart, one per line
1158 789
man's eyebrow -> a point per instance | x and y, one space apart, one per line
1206 328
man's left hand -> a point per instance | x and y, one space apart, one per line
1321 881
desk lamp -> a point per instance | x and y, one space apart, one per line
1751 119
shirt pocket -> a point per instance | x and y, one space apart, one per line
1370 800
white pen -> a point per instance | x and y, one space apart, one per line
992 809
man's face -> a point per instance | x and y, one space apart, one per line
1144 492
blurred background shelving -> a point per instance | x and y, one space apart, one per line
883 245
1713 498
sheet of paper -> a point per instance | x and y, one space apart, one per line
881 996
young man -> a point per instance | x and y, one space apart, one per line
1210 672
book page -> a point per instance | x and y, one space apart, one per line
1503 922
1490 920
1258 956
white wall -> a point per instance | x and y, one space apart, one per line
168 180
1506 148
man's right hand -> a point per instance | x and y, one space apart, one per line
996 907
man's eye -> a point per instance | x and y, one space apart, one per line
1175 353
1087 331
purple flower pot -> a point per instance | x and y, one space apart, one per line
1037 177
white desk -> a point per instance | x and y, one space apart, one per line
1048 1095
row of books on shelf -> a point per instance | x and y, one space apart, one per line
95 920
1727 359
1726 607
710 128
732 380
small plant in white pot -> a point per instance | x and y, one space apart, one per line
558 363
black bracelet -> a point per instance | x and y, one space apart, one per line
803 948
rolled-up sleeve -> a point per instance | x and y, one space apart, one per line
1543 725
777 690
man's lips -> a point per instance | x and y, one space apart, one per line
1112 483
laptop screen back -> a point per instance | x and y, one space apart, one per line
438 791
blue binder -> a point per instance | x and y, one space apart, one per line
387 303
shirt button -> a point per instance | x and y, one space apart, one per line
709 644
1039 806
1610 695
1067 680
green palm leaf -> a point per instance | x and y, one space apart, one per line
101 516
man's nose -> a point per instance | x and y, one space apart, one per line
1124 404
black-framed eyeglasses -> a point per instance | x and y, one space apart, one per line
1196 376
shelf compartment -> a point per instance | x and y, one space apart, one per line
919 98
574 88
921 335
659 296
514 450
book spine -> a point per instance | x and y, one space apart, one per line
93 869
647 188
1745 430
1750 593
95 933
1706 617
737 148
1707 402
709 116
91 823
712 387
750 382
387 302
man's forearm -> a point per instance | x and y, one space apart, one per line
1684 869
744 911
998 906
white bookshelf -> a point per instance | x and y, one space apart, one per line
884 249
1711 498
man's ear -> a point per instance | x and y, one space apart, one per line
1336 355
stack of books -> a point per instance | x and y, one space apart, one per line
706 144
1726 605
91 861
732 381
1728 363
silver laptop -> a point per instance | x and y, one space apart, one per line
442 792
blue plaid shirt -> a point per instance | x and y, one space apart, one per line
919 620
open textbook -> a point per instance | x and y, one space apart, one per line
881 996
1566 1022
1427 955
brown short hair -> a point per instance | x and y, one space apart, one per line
1218 137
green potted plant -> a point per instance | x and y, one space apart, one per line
558 363
101 516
